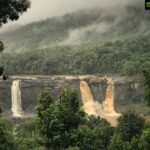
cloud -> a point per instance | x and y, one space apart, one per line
42 9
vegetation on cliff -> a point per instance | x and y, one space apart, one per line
62 125
147 86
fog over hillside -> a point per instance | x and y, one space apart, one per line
60 7
74 75
110 37
108 21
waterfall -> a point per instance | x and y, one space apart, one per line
16 99
108 103
90 106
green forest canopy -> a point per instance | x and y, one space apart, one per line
91 41
128 57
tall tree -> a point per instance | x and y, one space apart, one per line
63 125
57 122
130 125
11 10
1 49
147 86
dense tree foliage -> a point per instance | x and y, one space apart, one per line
57 122
10 9
147 86
7 141
146 135
63 125
1 46
128 59
1 70
116 143
86 41
26 135
128 134
130 125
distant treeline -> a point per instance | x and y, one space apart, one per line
128 57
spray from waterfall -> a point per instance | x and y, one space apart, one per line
16 99
90 106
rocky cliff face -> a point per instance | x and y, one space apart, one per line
5 96
126 90
32 88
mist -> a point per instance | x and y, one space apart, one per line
114 20
41 10
109 24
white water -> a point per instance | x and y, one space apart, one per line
108 103
93 107
16 99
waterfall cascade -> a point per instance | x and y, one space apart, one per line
16 99
108 104
106 109
91 107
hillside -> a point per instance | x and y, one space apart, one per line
104 41
81 27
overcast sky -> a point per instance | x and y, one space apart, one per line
42 9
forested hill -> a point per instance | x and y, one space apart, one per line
81 27
115 41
